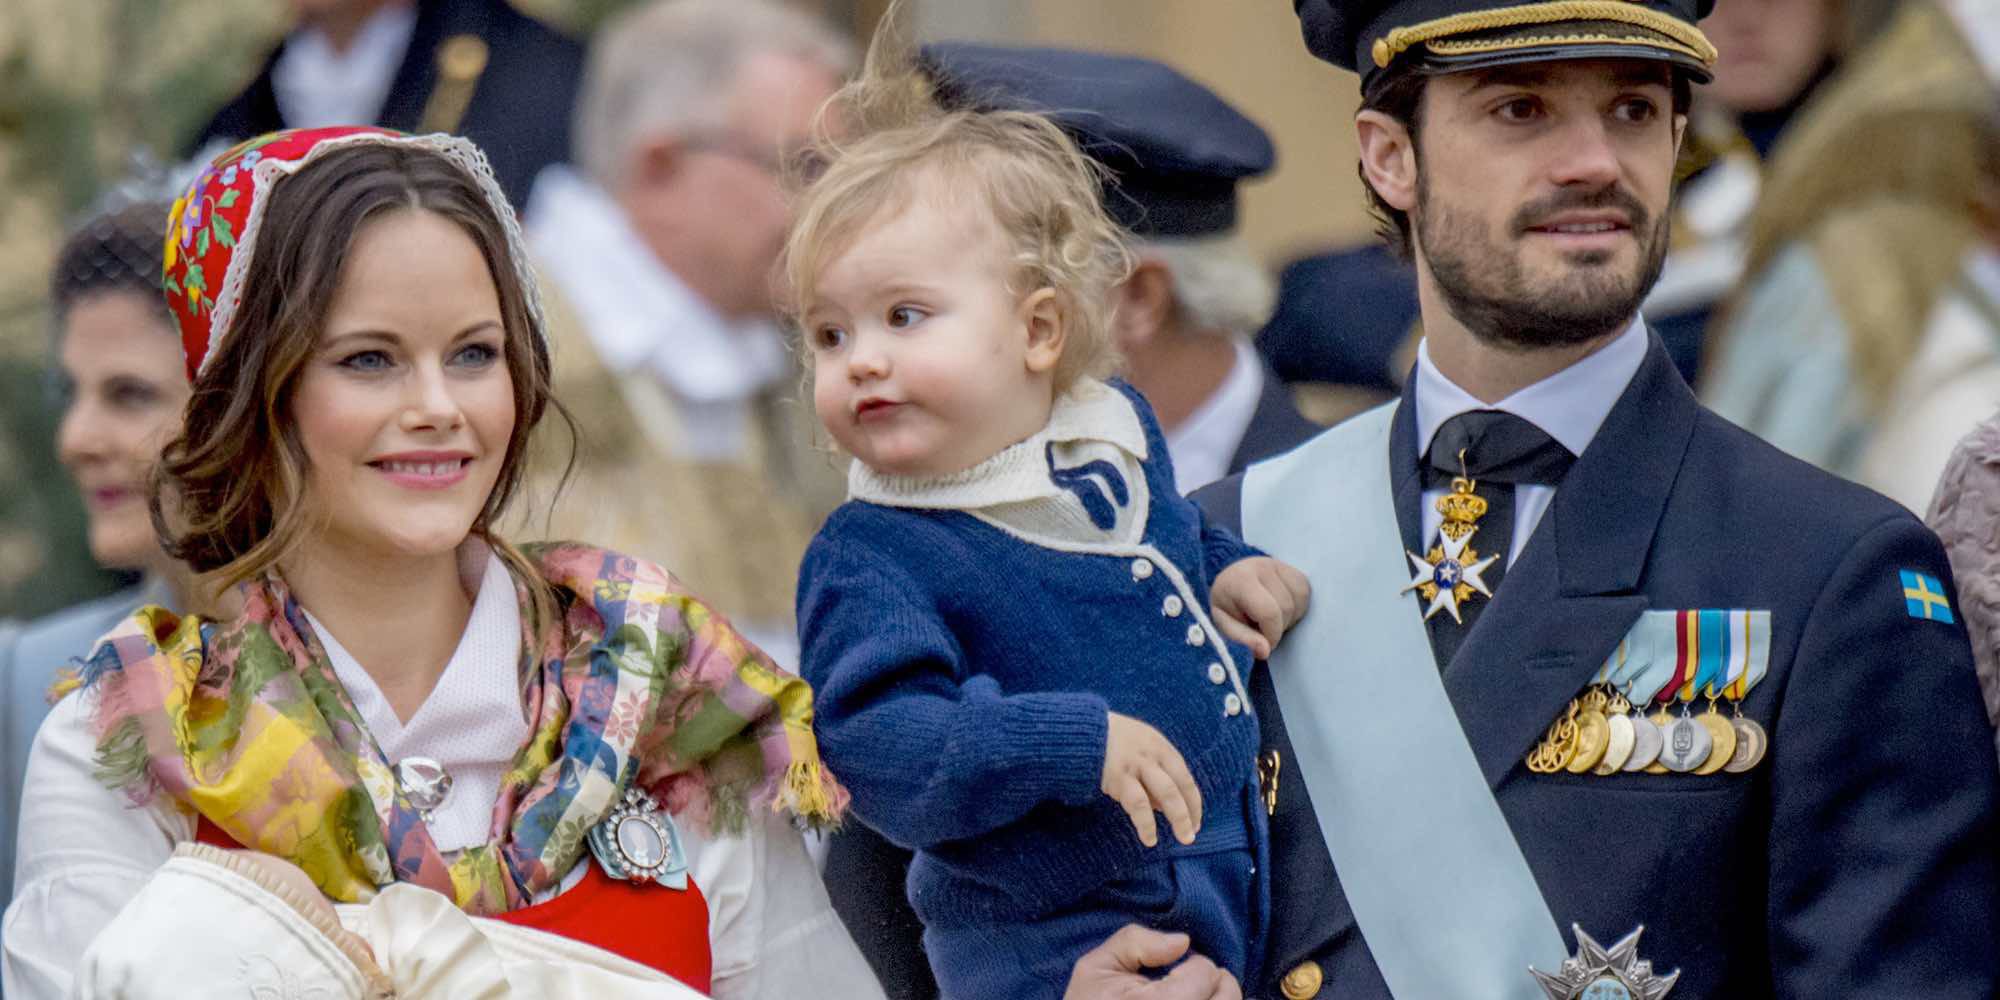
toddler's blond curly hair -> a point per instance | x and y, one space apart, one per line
1041 190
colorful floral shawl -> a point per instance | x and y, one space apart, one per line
245 723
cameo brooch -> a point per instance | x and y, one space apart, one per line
638 842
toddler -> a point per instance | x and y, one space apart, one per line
1023 642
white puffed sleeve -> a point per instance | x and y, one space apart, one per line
83 853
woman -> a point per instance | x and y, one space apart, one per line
553 739
119 366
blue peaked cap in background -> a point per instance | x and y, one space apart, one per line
1445 36
1174 149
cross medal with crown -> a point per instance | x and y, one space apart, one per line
1451 573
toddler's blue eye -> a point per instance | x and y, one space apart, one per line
827 338
903 316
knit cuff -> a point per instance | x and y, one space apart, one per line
1066 742
1221 547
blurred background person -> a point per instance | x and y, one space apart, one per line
478 68
1965 512
1348 317
695 449
1862 339
118 369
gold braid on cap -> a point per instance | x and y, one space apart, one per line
1683 37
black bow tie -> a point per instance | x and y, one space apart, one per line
1497 447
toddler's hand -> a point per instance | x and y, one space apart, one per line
1255 600
1144 772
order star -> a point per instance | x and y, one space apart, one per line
1448 574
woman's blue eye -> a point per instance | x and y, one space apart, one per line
477 355
367 361
903 316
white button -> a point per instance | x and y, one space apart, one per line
1195 635
1216 674
1171 607
1141 569
1232 705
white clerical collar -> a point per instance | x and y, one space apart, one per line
1089 411
637 313
1569 406
317 86
1204 443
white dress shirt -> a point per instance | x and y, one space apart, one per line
317 85
1569 406
640 315
1203 444
84 854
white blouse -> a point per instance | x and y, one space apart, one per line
84 854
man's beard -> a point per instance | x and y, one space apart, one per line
1487 288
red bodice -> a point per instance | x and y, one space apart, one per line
660 928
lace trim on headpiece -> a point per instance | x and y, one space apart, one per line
267 173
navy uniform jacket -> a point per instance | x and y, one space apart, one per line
864 872
519 111
1858 860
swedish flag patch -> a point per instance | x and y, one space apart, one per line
1924 597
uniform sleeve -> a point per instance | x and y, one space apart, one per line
773 933
83 854
1883 876
931 752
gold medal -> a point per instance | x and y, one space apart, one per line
1450 574
1592 737
1619 725
1619 749
1722 737
1553 753
1750 743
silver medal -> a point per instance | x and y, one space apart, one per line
1600 973
1646 743
1686 744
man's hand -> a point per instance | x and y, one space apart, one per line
1144 772
1255 600
1112 970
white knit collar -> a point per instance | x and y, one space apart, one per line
1089 411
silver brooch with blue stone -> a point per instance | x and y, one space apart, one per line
1600 973
638 842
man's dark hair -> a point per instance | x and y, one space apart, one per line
1400 95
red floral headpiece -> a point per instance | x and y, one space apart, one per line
212 230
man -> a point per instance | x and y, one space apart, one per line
1173 154
1349 316
1547 525
660 251
479 68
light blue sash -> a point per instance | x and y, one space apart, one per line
1437 882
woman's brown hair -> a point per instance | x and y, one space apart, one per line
235 477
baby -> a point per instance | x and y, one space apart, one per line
1023 642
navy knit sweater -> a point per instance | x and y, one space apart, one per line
962 676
